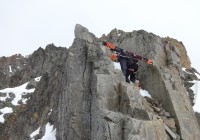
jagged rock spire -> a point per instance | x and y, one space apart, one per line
83 33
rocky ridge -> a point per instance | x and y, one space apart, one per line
9 66
84 97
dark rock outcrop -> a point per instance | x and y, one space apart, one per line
85 97
38 63
9 66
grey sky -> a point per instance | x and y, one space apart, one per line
26 25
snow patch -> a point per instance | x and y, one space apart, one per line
196 90
145 93
184 69
50 134
50 112
38 79
4 111
117 65
24 100
198 76
18 92
10 68
36 132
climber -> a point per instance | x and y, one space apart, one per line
128 61
129 66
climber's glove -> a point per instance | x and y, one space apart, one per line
114 57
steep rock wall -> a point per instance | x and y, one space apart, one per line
164 80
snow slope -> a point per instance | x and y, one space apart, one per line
17 92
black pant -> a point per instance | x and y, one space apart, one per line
129 69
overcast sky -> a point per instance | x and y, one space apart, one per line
26 25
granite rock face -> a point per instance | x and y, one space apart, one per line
84 97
